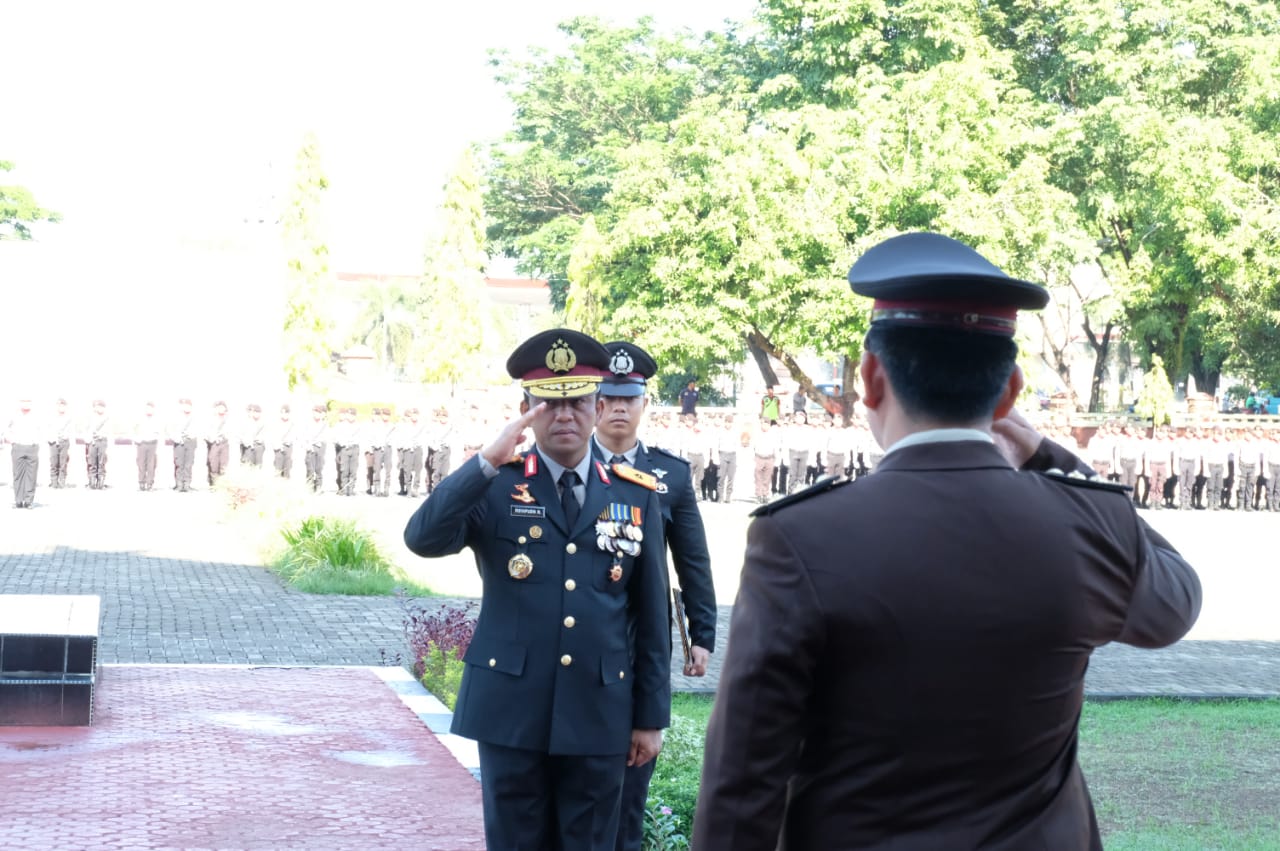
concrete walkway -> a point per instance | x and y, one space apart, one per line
190 757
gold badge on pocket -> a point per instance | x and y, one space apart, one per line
520 566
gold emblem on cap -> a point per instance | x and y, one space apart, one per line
520 566
561 358
535 532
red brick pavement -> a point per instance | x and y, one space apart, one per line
190 757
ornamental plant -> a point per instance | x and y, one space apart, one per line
662 829
438 639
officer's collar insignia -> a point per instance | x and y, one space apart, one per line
621 363
561 358
631 474
522 494
530 465
600 471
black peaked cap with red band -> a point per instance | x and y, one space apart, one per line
928 280
559 364
630 368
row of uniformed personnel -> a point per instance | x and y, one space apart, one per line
415 446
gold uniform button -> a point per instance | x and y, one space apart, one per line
622 675
493 662
522 539
569 622
566 660
569 585
571 549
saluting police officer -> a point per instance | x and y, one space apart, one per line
567 676
618 417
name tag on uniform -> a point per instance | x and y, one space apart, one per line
528 511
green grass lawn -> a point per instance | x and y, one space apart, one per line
1166 775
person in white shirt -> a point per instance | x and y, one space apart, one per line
728 440
1248 461
1186 450
767 448
23 434
1101 451
282 439
795 441
61 433
253 446
146 437
1271 454
97 438
835 450
1215 462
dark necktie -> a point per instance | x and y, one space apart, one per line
568 499
618 459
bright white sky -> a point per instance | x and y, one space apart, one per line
143 122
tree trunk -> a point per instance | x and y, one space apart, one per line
1101 351
762 347
762 359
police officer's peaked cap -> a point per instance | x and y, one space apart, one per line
629 368
559 364
933 281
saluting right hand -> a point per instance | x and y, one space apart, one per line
501 450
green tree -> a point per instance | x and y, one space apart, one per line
455 328
588 289
386 322
1155 402
576 113
19 210
309 281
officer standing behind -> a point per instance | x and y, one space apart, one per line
146 437
23 433
282 441
183 436
618 418
317 437
96 441
346 450
409 437
253 445
217 443
916 680
61 432
567 677
381 434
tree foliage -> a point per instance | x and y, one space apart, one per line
19 210
306 331
453 328
729 180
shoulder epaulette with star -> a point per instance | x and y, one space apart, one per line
631 474
1080 480
823 485
514 459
